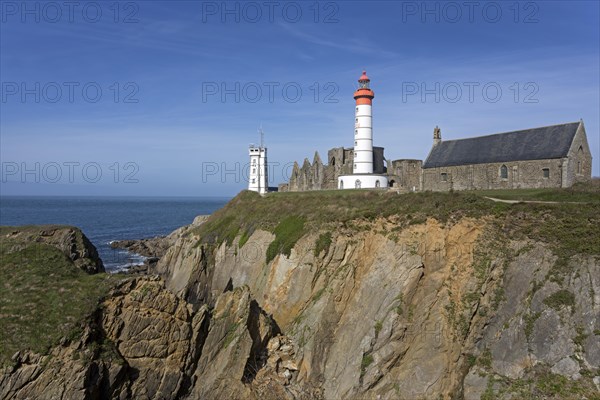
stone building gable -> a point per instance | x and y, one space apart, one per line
531 144
578 166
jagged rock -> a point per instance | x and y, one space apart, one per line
274 344
567 367
289 365
475 384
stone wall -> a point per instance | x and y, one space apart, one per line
405 174
519 175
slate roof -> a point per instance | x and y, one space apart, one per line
529 144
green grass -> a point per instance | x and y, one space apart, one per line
541 383
248 209
581 336
559 299
43 297
244 238
287 233
378 327
366 361
230 335
318 295
400 307
485 359
562 225
529 320
322 243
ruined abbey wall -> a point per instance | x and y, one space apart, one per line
319 176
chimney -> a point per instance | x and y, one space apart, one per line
437 135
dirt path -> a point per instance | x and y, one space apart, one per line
531 201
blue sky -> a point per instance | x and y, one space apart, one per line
179 103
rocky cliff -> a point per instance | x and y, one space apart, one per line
362 295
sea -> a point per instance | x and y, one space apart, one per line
105 219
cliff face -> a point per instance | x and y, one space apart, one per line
442 309
463 304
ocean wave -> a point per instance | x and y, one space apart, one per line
124 260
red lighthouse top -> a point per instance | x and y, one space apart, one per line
364 94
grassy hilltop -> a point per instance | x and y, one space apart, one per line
571 225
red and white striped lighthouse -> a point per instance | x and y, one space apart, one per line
362 176
363 127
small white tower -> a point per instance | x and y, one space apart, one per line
258 177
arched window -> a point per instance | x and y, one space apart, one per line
333 161
579 167
253 170
357 184
341 184
377 183
504 172
391 183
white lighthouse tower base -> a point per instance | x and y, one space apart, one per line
362 181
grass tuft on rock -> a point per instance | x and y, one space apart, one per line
287 233
559 299
323 243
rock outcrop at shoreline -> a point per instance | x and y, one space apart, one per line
156 247
470 299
